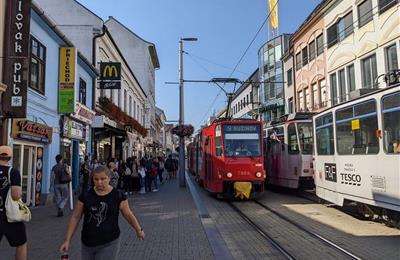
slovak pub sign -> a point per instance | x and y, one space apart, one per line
16 65
67 74
110 75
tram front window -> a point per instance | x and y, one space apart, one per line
242 140
305 137
324 135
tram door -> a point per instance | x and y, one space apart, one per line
208 160
25 158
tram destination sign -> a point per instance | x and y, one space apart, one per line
16 65
32 131
242 128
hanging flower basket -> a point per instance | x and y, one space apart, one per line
183 130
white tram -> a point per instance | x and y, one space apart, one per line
288 152
357 153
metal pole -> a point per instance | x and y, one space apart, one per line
181 119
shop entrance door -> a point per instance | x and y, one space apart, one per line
25 160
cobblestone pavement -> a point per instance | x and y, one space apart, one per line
365 239
169 218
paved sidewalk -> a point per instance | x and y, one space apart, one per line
169 217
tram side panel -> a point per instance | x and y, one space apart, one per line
355 164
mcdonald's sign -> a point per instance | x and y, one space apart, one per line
110 71
110 75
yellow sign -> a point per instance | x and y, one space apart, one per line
67 67
273 17
110 71
355 124
66 99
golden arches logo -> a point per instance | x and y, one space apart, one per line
110 71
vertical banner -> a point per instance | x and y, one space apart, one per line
39 175
273 18
66 100
16 63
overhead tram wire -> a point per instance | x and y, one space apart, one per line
241 58
213 63
219 92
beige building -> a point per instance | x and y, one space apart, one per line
308 45
362 41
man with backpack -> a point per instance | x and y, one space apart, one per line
10 178
62 177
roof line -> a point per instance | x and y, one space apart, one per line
126 63
60 34
87 9
157 62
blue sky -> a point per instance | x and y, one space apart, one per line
224 29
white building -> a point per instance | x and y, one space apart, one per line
245 101
288 85
362 44
141 56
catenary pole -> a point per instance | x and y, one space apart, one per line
181 119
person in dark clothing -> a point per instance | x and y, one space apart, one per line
14 232
148 178
100 208
85 172
61 188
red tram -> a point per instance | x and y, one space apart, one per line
228 158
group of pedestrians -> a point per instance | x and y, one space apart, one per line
104 190
132 175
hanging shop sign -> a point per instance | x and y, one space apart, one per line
73 129
39 175
110 75
67 80
16 63
32 131
83 113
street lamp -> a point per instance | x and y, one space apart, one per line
181 113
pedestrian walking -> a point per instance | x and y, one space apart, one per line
100 209
135 175
10 178
154 174
114 174
62 177
84 174
161 169
148 178
128 184
142 176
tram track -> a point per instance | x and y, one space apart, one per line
276 240
262 233
311 233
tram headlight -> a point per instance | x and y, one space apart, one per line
229 175
258 174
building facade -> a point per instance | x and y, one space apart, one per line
272 99
309 56
362 41
142 57
289 84
43 133
115 138
244 103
